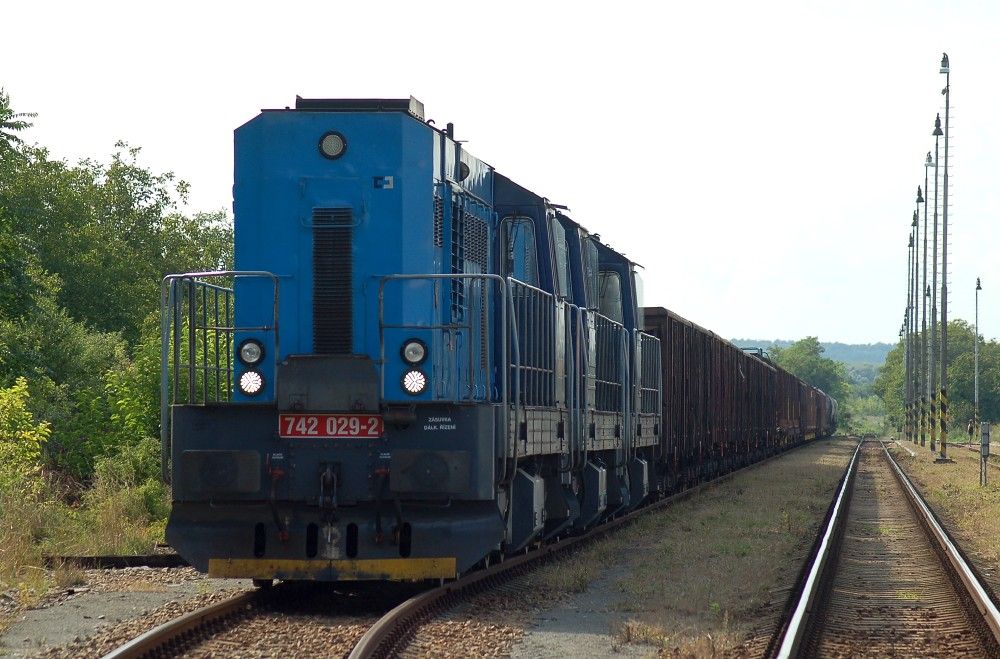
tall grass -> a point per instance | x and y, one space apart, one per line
124 511
22 524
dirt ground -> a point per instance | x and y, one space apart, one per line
120 600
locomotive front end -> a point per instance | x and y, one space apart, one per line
331 406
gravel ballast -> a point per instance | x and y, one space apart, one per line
109 608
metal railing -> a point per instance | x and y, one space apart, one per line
611 375
197 335
650 374
472 384
534 324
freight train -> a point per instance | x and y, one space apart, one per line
419 366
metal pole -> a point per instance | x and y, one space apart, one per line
946 70
908 337
906 362
914 315
928 399
975 406
925 344
934 288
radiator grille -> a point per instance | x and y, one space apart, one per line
332 268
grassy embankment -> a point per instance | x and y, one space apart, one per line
970 513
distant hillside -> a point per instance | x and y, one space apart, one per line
849 353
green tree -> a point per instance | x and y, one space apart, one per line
890 384
11 123
805 360
83 249
110 231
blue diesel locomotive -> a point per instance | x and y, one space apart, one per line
418 365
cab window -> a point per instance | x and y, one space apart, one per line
562 259
640 320
610 302
520 260
590 260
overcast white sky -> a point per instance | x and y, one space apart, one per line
760 159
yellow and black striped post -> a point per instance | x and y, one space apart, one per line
909 417
944 425
923 420
933 421
909 422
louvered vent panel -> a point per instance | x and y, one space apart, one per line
484 325
476 240
457 260
332 267
476 246
438 221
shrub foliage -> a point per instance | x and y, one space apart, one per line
83 248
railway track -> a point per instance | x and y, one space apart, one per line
391 625
386 631
993 460
290 619
118 562
886 579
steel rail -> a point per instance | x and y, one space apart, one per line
387 636
160 637
111 562
991 460
966 574
799 621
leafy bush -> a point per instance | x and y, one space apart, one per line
21 441
23 517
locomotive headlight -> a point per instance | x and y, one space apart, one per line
414 352
414 382
251 352
332 145
251 383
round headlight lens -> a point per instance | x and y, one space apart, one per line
251 352
414 382
332 145
414 351
251 383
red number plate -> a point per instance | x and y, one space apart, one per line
330 426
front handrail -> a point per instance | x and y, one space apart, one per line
503 291
170 323
435 276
